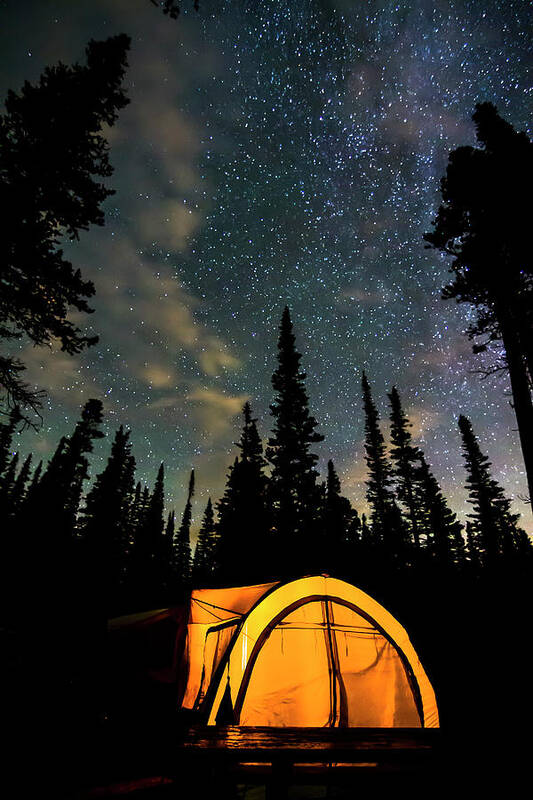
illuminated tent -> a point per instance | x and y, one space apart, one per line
315 651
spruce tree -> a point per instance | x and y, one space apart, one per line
340 526
387 526
18 492
105 519
7 483
6 435
32 488
493 526
167 554
404 456
484 224
204 564
60 488
182 541
443 531
294 494
53 155
152 568
243 524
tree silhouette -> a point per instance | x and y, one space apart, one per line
204 561
171 7
7 483
404 456
106 519
386 520
341 524
293 491
484 224
59 490
182 541
17 494
148 569
493 529
443 532
6 436
243 514
51 153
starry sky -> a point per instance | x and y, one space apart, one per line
279 152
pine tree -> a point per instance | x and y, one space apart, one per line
294 494
53 155
404 456
182 540
473 548
136 513
483 223
6 484
152 533
60 488
443 531
105 521
340 526
204 564
243 524
17 495
167 555
493 525
386 520
6 436
32 488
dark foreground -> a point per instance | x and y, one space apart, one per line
151 762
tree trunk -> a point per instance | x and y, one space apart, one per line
523 406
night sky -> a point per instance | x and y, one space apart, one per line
279 153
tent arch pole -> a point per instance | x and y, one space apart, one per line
413 683
361 602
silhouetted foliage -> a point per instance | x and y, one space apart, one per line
205 553
483 223
171 7
7 483
388 529
493 530
439 525
147 570
404 456
105 523
59 491
293 490
7 429
51 153
17 494
182 542
243 513
341 526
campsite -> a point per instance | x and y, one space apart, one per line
266 398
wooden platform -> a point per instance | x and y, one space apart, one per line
208 762
281 757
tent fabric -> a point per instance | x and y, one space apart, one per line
315 651
214 617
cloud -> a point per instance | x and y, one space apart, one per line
144 313
215 356
171 224
215 410
62 376
158 376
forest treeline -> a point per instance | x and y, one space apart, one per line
276 519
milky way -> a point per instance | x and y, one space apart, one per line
280 153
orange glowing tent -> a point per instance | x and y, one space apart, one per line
315 651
